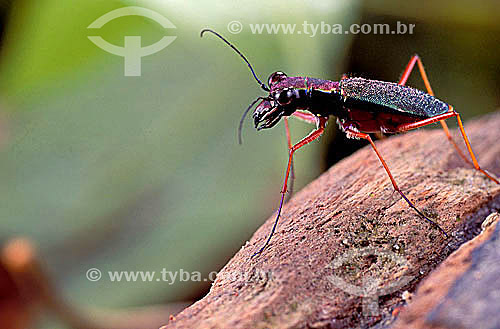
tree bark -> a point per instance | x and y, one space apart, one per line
347 246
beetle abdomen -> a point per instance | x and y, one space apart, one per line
390 95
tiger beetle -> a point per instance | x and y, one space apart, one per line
361 106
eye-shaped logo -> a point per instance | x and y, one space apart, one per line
372 286
132 50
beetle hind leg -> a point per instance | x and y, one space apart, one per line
415 59
444 116
352 132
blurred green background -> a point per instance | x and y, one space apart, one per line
143 173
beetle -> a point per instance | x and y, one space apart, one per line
361 106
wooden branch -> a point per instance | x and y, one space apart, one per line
348 234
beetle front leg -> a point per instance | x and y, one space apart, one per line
304 116
321 124
292 171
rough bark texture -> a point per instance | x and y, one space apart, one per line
349 234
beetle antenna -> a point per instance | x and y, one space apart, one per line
240 127
262 85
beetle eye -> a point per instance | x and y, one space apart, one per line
276 77
285 97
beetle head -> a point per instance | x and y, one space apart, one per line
280 102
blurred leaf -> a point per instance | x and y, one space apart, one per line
144 173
